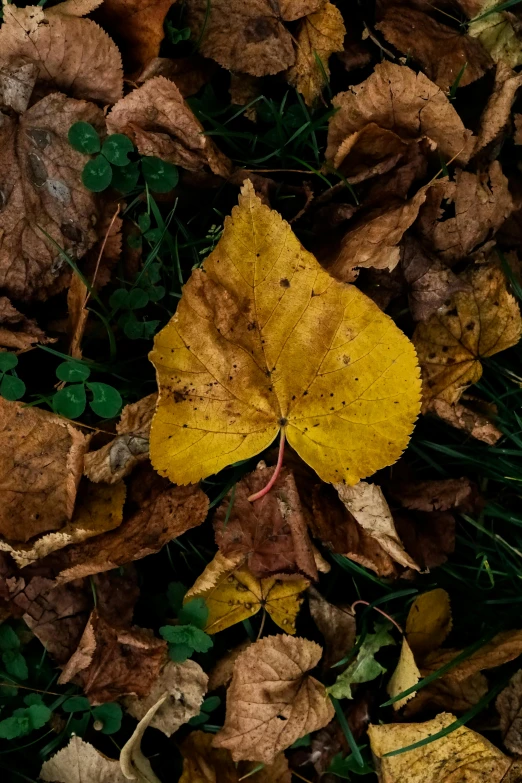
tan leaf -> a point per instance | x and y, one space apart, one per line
93 73
78 762
396 98
17 80
405 676
134 765
271 701
185 685
188 73
41 458
203 763
504 647
429 622
447 694
461 755
17 332
475 324
441 51
336 624
496 115
74 7
222 672
41 192
214 571
158 120
509 707
467 420
368 505
271 533
320 35
368 152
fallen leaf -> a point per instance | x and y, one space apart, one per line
462 754
509 707
428 537
188 73
17 80
438 495
429 622
473 325
94 73
369 152
405 676
271 701
496 115
161 124
369 507
398 99
238 596
41 192
504 647
134 765
446 694
467 420
319 35
185 685
497 32
41 458
222 672
17 332
79 761
440 50
482 202
336 624
229 311
270 534
364 668
203 763
218 567
244 89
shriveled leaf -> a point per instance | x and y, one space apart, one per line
462 754
79 761
436 495
185 684
466 419
474 324
134 765
320 35
405 676
370 151
272 701
429 621
337 625
495 116
161 124
509 707
17 332
364 668
94 73
241 340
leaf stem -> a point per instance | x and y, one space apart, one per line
275 475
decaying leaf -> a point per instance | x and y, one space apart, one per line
509 707
188 73
41 460
221 674
17 332
496 115
474 324
428 537
405 676
436 495
272 701
364 668
503 647
203 763
337 625
497 32
185 685
320 35
17 80
78 762
241 344
271 533
429 622
461 755
466 419
134 765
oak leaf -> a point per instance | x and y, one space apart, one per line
133 763
161 124
509 707
461 755
272 701
496 115
17 332
236 363
336 624
429 621
320 35
185 685
473 325
80 761
405 676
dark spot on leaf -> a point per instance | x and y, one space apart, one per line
284 282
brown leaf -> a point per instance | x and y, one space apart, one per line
78 762
271 701
111 662
133 763
482 202
428 537
504 647
203 763
244 89
396 98
41 460
41 192
466 419
337 625
17 332
447 694
438 495
440 50
185 685
495 116
222 672
17 80
188 73
160 123
509 707
270 534
369 152
93 73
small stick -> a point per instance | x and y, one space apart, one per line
376 608
275 475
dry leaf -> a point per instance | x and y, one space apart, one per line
369 152
369 507
270 534
336 624
222 672
439 495
94 72
188 73
41 458
17 332
41 192
320 35
496 115
244 89
185 685
504 647
462 755
202 763
509 707
134 765
466 419
245 348
214 571
160 123
498 33
473 325
79 762
396 98
429 538
405 676
271 701
429 622
17 80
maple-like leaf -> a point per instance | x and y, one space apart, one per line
405 676
337 625
473 325
320 35
429 621
364 668
79 761
272 701
461 755
239 362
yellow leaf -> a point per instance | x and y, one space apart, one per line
460 756
319 36
265 340
239 595
405 675
475 324
497 34
429 621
